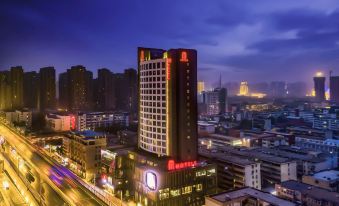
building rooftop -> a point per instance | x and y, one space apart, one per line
332 142
238 160
290 154
256 155
88 134
203 123
235 159
327 175
312 191
251 192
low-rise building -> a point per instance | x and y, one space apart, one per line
218 140
274 141
246 196
328 179
305 194
274 169
83 151
58 122
205 128
308 161
326 121
235 171
19 117
93 120
157 181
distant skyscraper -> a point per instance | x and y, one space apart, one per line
244 91
278 89
319 87
215 101
168 102
201 87
77 88
31 89
5 91
89 90
131 88
47 88
334 89
296 89
17 89
262 87
232 88
106 93
63 91
119 91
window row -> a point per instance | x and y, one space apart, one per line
153 116
153 98
153 104
152 79
153 110
146 129
153 91
154 65
149 137
153 73
144 122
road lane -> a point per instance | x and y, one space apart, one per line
73 192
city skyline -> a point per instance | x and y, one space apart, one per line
239 40
177 103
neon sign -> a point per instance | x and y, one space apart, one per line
172 165
72 122
142 55
168 65
151 180
184 57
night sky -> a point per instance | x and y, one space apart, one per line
242 40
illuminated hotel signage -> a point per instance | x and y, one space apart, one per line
172 165
184 57
151 180
142 55
168 65
72 122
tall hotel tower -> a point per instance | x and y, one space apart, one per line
164 169
168 102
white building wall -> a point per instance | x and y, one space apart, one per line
288 171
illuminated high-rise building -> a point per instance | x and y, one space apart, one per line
215 101
106 94
76 89
63 91
201 87
334 89
131 90
5 91
244 91
168 102
319 86
47 88
31 90
165 169
17 87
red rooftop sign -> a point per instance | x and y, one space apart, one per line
172 165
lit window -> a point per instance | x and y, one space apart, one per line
175 193
198 187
